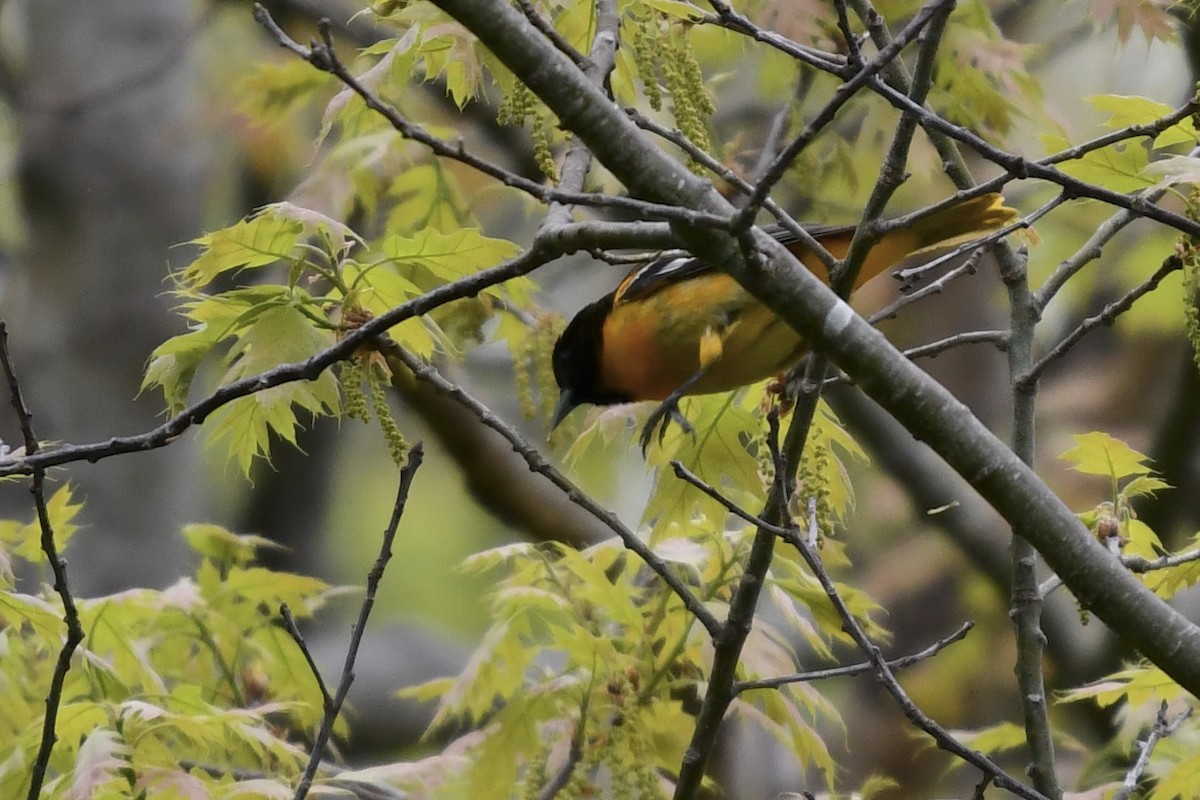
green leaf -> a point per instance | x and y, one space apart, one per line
425 692
273 92
1120 167
25 539
999 738
1143 541
1180 779
264 239
45 619
1175 170
1127 110
255 586
213 319
279 334
1139 685
1144 485
774 713
716 453
449 52
876 785
446 257
224 546
426 196
1097 453
1170 581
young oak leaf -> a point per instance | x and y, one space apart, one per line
1127 110
1097 453
258 241
24 539
1120 167
278 335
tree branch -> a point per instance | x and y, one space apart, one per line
1163 727
537 463
549 245
324 57
1018 167
1025 600
850 670
887 679
58 567
333 706
1106 317
927 409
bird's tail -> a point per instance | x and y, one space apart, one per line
952 226
965 222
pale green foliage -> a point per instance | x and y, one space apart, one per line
982 81
249 331
587 646
172 690
568 624
1125 166
1140 689
24 539
1129 477
728 451
587 649
1189 257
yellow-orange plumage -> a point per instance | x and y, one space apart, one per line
681 323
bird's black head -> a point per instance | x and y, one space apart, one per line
578 367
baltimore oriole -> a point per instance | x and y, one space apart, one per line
677 326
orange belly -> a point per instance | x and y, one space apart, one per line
652 346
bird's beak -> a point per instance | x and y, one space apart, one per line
566 403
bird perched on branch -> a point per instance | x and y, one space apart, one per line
679 326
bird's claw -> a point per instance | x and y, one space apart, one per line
660 418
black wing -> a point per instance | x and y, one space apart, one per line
649 277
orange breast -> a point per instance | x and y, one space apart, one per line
652 344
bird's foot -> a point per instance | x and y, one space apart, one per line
661 418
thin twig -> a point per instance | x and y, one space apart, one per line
415 455
894 169
883 674
58 568
1025 602
556 784
538 463
293 630
685 474
1163 727
597 67
935 349
785 220
1088 252
1092 248
980 792
549 245
550 32
854 55
1106 317
909 275
726 17
847 90
1136 564
323 56
1018 167
849 670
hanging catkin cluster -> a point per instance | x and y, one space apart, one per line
532 366
519 105
1188 251
356 405
663 48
